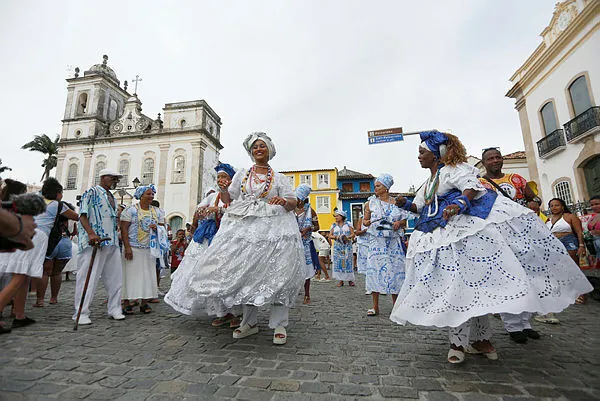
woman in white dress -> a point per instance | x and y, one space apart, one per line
385 254
139 265
256 258
342 258
473 253
307 223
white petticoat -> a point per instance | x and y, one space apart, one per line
29 263
509 262
139 275
255 258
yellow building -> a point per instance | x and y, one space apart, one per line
324 195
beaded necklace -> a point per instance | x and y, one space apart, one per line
268 184
431 187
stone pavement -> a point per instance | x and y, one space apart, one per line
334 352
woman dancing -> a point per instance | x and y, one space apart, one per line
256 258
474 253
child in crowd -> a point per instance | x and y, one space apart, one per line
178 246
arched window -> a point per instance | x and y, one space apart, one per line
580 97
100 165
82 103
548 118
148 171
176 223
72 176
112 110
562 190
124 171
179 169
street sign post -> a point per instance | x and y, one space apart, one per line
386 138
389 135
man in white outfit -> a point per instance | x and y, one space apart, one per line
98 219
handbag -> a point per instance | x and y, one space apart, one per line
55 233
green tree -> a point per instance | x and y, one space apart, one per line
4 168
48 147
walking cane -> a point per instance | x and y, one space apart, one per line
87 279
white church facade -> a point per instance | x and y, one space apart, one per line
557 91
104 127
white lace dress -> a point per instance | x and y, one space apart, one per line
256 257
195 248
508 262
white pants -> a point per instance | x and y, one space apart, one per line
474 329
279 316
516 322
107 265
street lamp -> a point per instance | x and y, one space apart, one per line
123 191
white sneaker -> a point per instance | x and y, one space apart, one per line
84 320
117 316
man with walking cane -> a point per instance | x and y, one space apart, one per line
98 227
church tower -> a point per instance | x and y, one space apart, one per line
93 102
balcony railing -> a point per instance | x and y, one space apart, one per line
551 142
583 124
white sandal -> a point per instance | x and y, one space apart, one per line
245 331
459 355
280 340
492 356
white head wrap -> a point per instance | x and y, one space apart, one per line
253 137
442 148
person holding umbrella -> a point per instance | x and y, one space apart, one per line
98 220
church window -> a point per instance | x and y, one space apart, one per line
77 133
548 118
112 110
124 171
72 176
562 190
176 223
100 165
179 169
148 171
182 123
82 104
580 97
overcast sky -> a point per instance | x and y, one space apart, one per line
315 75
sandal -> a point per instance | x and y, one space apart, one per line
340 284
154 301
145 308
221 321
306 300
455 356
38 304
245 331
53 301
280 336
491 355
234 323
128 310
580 300
351 283
372 312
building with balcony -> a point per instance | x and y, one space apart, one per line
324 195
556 92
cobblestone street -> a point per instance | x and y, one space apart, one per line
334 352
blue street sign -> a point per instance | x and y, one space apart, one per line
385 138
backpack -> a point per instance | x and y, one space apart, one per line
55 233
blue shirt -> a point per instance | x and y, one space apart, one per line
101 215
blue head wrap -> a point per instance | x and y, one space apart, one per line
303 191
140 190
435 142
226 168
341 213
386 179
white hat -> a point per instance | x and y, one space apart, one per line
109 171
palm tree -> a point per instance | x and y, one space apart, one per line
4 168
43 144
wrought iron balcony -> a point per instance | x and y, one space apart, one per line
551 143
583 125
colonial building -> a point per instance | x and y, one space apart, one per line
104 127
324 195
556 92
355 188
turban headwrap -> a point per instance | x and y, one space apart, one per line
386 179
303 191
340 212
435 142
140 190
226 168
253 137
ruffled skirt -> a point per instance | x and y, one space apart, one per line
29 263
256 258
385 265
507 263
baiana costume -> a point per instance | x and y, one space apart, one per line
256 258
386 251
342 257
305 220
139 273
494 256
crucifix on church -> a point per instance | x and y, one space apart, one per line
136 80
